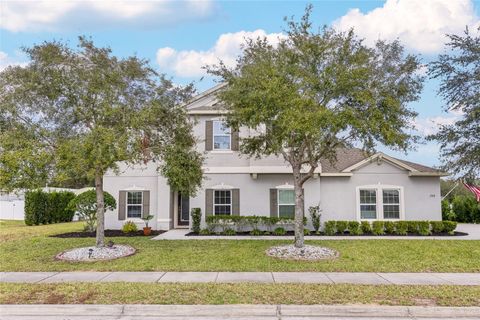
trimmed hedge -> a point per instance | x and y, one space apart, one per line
48 207
378 228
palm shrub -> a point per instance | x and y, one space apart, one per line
354 228
315 215
449 226
389 227
306 232
341 226
378 228
424 228
329 227
196 214
401 228
437 226
279 231
366 227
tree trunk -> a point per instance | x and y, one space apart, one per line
100 237
299 208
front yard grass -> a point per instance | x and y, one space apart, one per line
241 293
25 248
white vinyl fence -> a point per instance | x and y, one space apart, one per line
12 207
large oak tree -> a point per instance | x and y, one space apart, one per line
315 92
458 70
79 112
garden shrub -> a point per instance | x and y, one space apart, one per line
437 226
424 228
354 228
48 207
229 232
466 209
196 214
412 227
315 215
449 226
129 227
279 231
306 232
366 227
378 228
401 228
85 205
204 232
341 226
329 228
389 227
256 232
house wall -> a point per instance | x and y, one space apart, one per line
421 194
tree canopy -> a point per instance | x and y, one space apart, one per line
79 112
458 70
315 92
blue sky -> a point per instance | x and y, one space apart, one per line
178 37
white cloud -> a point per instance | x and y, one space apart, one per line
189 63
18 15
420 24
431 125
6 60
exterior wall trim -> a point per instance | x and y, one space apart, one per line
383 157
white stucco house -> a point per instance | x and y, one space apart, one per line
356 187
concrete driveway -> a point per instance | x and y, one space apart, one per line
274 312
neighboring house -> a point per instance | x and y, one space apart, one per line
356 187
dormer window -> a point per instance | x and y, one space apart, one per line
222 138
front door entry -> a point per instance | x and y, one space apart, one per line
183 209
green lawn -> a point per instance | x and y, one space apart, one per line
25 248
241 293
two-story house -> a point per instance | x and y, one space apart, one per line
356 187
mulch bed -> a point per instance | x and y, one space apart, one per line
108 233
291 233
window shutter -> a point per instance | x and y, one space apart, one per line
208 135
171 209
235 202
208 202
146 203
273 203
122 198
235 141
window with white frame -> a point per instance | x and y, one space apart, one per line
391 203
134 204
286 203
221 136
368 204
222 202
382 202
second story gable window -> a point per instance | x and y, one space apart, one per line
221 136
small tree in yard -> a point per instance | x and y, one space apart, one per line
80 112
459 73
85 205
316 92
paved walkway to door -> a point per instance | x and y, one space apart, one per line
372 278
473 231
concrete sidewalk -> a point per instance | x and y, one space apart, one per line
345 312
473 231
372 278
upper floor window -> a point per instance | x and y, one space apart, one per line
221 136
380 202
134 204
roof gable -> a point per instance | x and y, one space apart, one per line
205 102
